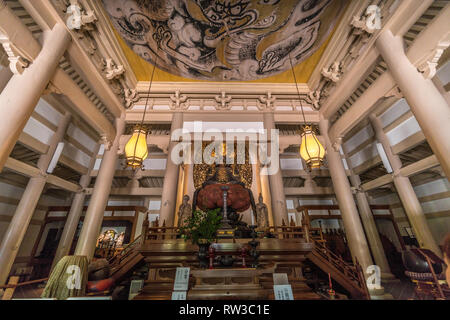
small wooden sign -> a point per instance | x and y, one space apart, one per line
179 295
181 279
281 287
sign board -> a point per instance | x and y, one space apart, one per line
281 287
179 295
283 292
135 288
280 278
181 279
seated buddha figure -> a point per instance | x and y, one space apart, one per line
222 173
210 195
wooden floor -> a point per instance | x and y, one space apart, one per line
28 292
403 290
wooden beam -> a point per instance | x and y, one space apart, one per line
130 174
133 191
308 191
73 165
409 143
83 105
30 171
376 183
33 143
419 166
407 171
304 174
366 103
63 184
22 168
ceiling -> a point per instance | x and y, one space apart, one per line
224 40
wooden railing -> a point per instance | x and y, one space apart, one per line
353 272
13 284
160 233
125 252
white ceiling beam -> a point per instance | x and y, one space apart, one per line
31 172
304 191
408 171
84 106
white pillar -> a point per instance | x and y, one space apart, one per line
265 191
73 217
278 199
406 192
370 226
24 90
353 228
427 104
169 193
5 76
94 215
25 209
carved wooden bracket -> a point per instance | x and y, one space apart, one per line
268 100
333 73
337 144
224 101
131 96
314 99
177 100
369 22
51 88
395 92
17 61
429 64
112 70
107 142
78 18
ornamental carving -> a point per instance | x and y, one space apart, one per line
224 39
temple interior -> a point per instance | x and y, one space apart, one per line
245 145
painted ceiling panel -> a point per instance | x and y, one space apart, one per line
224 40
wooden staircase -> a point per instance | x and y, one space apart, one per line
124 262
348 276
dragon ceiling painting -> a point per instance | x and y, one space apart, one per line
220 40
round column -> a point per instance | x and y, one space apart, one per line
23 91
353 228
406 192
278 199
27 205
427 104
169 193
94 215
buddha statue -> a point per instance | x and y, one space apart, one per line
184 211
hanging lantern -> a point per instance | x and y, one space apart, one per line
136 149
311 150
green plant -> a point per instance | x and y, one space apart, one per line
202 227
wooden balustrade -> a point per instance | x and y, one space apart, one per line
13 284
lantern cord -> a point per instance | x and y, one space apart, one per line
298 90
300 100
146 101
